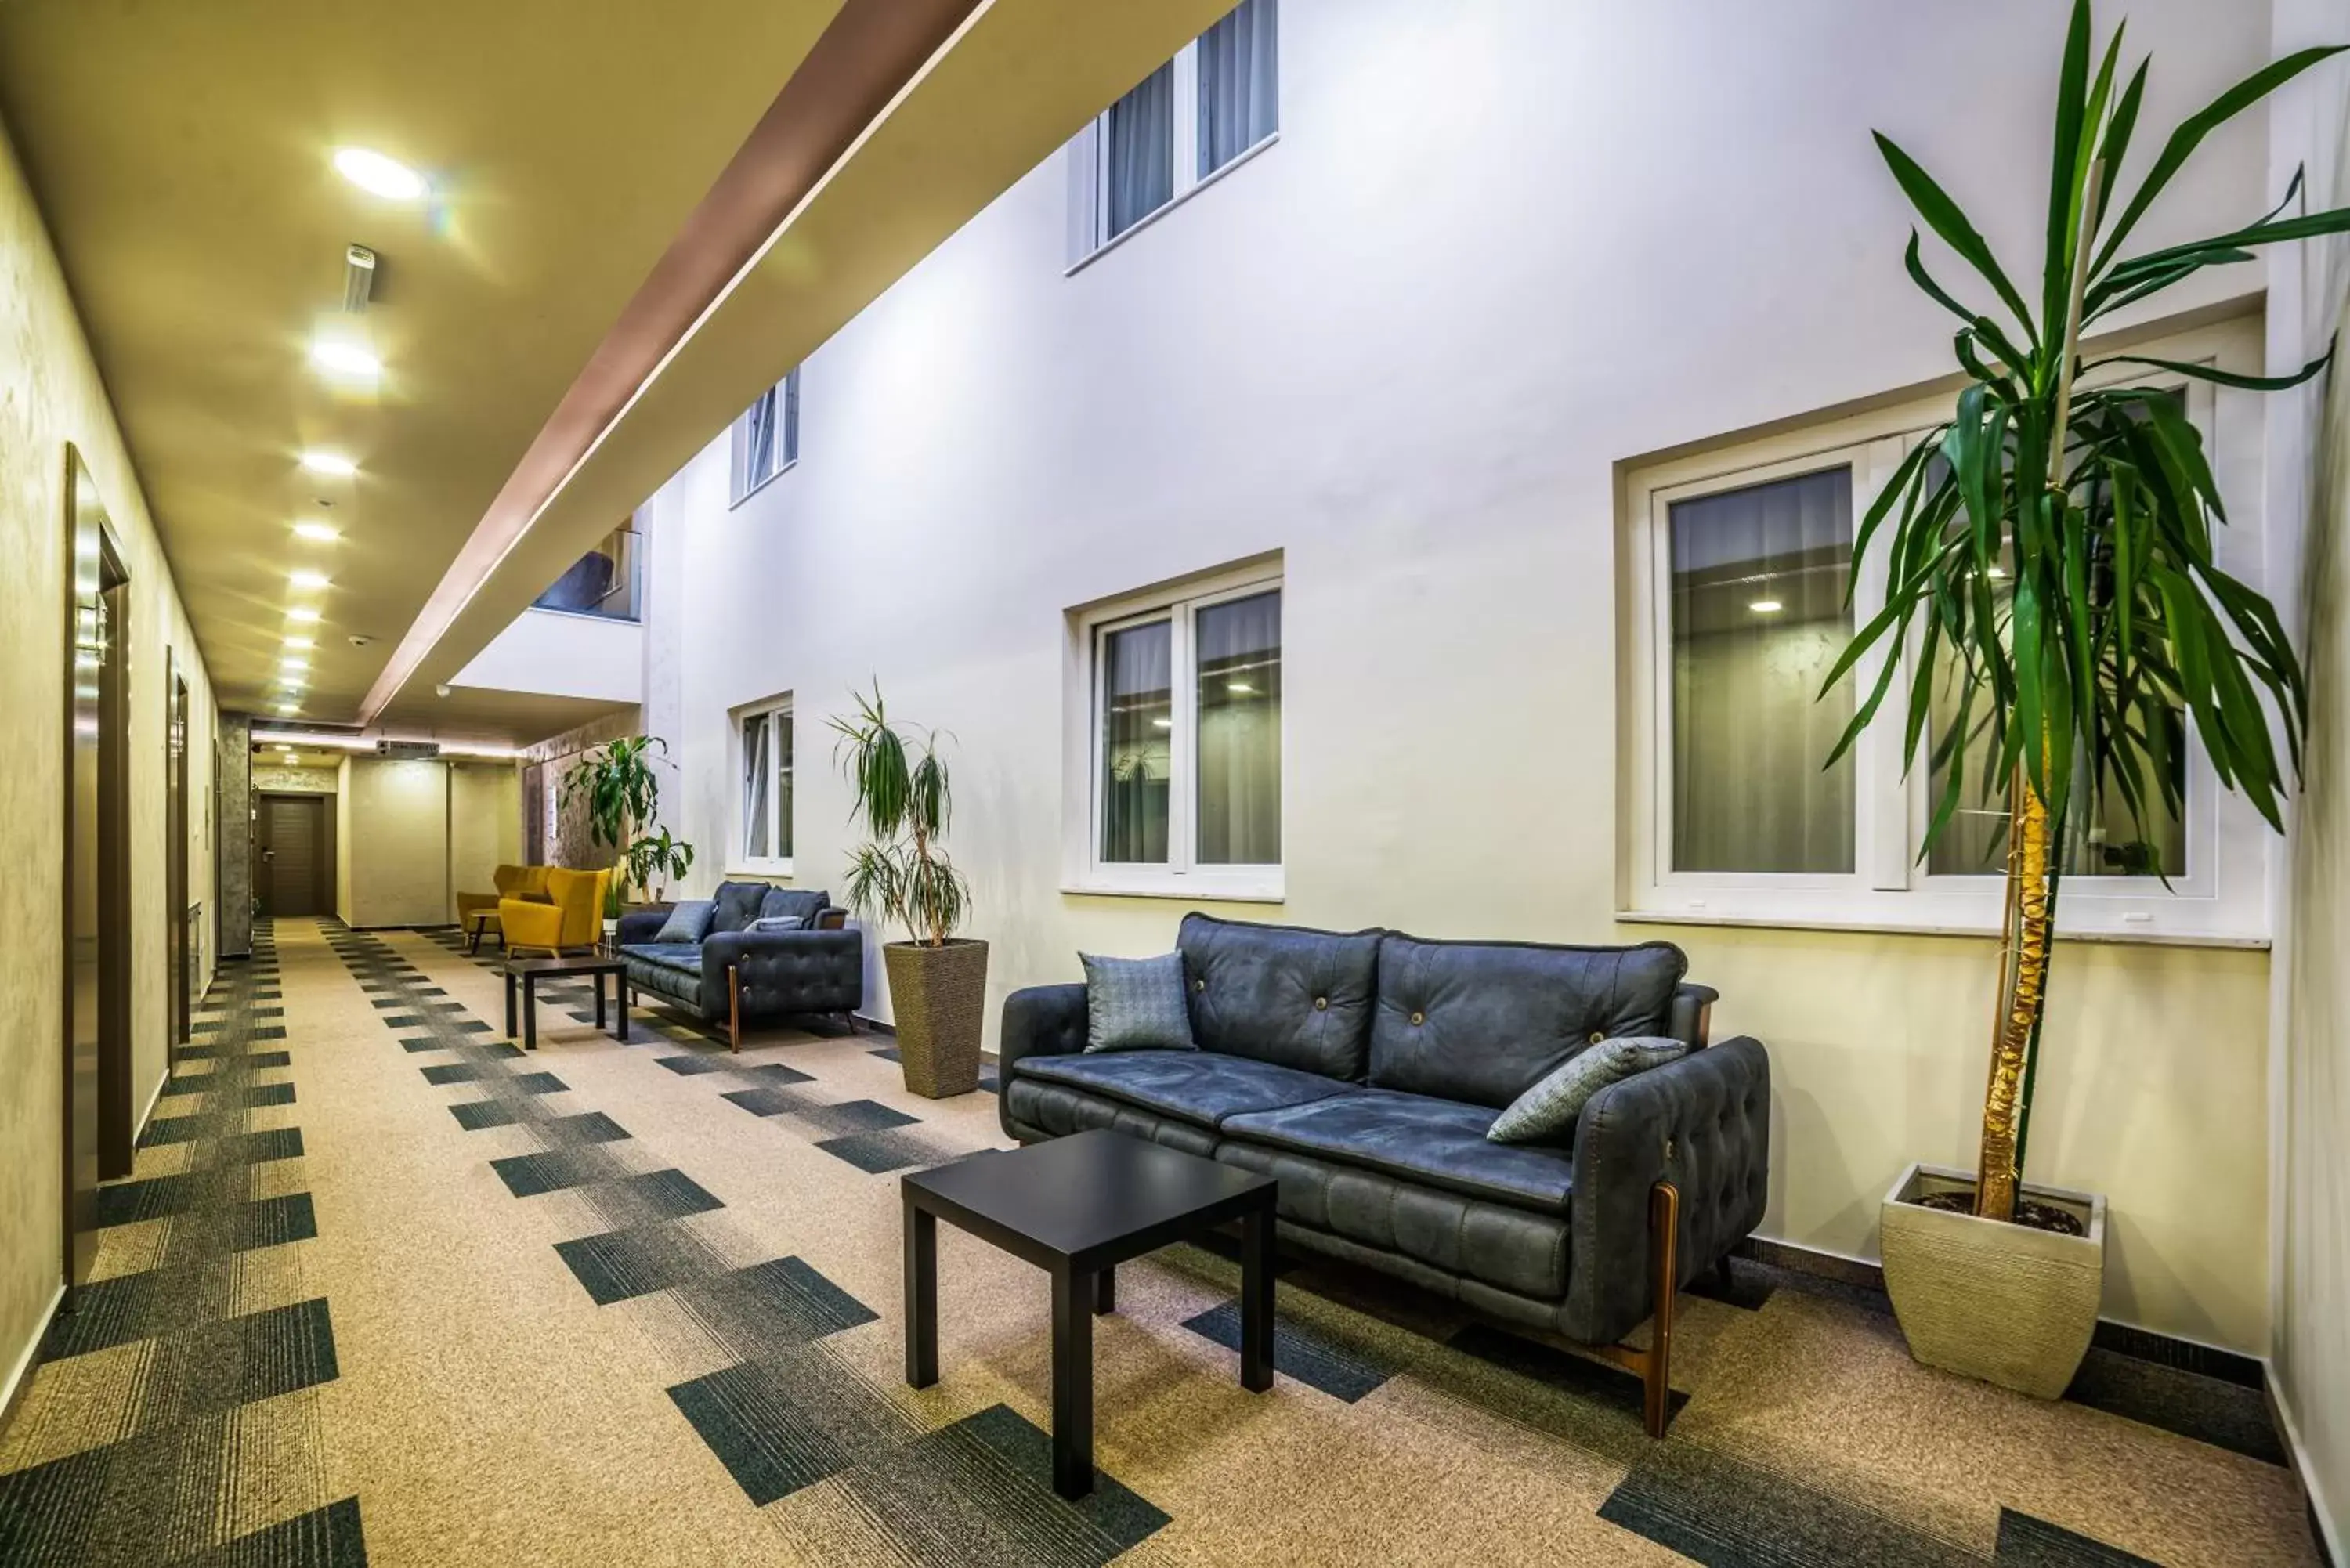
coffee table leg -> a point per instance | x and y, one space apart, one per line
530 1013
1256 1301
921 1297
1104 1291
620 983
599 1001
510 1007
1072 1384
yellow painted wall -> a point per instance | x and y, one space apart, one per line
393 843
50 395
485 825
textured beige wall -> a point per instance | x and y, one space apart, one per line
50 395
485 825
393 843
268 780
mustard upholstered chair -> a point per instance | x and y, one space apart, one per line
572 918
478 912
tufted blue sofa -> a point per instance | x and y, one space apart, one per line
736 974
1363 1070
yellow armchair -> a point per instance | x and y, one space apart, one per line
527 883
573 915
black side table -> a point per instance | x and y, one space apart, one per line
530 971
1078 1207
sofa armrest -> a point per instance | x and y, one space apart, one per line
784 971
831 918
1702 1123
1692 1017
1040 1020
640 926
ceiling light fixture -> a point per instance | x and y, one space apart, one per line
341 356
317 533
304 577
1765 607
379 176
318 462
1997 573
303 614
1164 723
288 709
300 642
1239 688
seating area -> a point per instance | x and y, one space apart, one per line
971 783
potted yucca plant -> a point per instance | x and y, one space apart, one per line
622 794
938 981
2049 560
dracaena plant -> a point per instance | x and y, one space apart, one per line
901 871
2056 566
622 794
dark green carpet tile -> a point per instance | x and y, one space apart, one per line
989 1083
2209 1409
1715 1510
866 1134
1342 1371
327 1537
621 1264
108 1312
2028 1542
1588 1380
748 1312
754 1420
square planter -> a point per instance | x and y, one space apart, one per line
939 999
2002 1303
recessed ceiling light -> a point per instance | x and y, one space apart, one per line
344 357
302 613
1164 723
318 462
304 577
288 749
318 533
300 642
373 173
1997 573
288 708
1239 688
1765 607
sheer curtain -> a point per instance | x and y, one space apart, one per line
1239 648
1758 618
1138 723
1238 72
783 784
756 769
1139 153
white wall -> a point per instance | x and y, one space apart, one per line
559 655
1500 248
391 832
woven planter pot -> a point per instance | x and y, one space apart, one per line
939 996
2003 1303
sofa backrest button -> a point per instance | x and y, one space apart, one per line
1419 1018
1321 1004
1596 1037
1199 985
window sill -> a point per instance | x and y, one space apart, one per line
1164 208
763 485
1925 928
588 615
762 869
1270 892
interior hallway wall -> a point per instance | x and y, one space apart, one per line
391 844
50 395
484 826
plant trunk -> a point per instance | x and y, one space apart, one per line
2023 982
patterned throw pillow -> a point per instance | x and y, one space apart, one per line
1136 1004
775 923
689 921
1547 1112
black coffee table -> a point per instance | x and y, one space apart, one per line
1078 1207
529 972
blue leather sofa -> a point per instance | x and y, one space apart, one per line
738 974
1363 1070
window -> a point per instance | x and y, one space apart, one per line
1177 742
767 436
1196 115
764 760
1740 563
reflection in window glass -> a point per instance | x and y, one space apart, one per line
1139 153
1239 83
1239 653
1758 618
1137 741
757 764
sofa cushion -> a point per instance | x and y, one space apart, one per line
807 903
1136 1004
737 905
1548 1112
1197 1085
1483 1022
1379 1219
1283 994
679 958
688 923
1438 1143
1034 1109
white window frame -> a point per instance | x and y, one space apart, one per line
1182 877
738 829
1089 169
2222 897
740 484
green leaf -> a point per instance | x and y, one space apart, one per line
2193 129
2116 146
1982 326
1945 218
2222 377
2068 167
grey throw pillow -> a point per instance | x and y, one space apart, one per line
1547 1112
688 922
775 923
1136 1004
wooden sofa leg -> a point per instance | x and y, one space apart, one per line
1664 1250
733 1010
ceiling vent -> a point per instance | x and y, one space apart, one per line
358 278
407 751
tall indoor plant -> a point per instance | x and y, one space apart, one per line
623 794
938 981
2073 678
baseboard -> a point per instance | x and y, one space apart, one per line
149 1113
2324 1524
875 1025
20 1375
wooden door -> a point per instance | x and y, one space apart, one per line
175 857
295 875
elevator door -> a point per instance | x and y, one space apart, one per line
297 860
